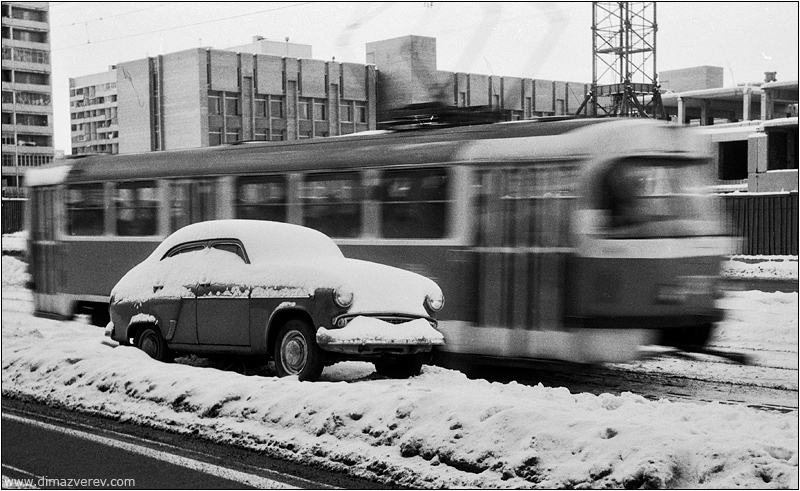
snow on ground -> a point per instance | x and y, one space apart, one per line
439 429
762 267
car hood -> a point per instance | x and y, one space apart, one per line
376 287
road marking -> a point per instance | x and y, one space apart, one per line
6 466
214 470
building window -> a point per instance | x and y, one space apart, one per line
346 111
233 135
31 78
304 135
214 103
260 134
278 136
232 104
303 108
462 99
137 207
25 14
214 137
320 113
261 107
30 36
8 118
361 112
32 119
276 107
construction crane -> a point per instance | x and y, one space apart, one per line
624 76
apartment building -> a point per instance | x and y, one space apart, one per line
27 111
93 113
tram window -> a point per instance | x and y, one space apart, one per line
137 208
191 202
414 203
86 209
332 203
261 198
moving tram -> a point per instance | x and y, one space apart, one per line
577 240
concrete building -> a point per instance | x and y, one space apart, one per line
93 113
407 74
27 126
753 128
694 78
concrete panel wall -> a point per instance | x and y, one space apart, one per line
224 71
478 90
133 112
354 81
269 73
576 93
543 95
185 101
313 74
512 93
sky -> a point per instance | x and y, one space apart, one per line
544 40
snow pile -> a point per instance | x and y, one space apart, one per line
439 429
15 272
761 267
15 243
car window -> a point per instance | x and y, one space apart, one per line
184 249
231 247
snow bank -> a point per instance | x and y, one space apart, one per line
439 429
15 272
761 267
15 242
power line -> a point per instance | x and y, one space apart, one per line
183 26
79 22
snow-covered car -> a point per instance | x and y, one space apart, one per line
274 290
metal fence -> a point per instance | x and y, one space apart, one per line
13 210
766 223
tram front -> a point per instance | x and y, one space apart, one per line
650 239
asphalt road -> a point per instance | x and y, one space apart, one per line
53 448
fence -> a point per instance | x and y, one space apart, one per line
767 223
13 214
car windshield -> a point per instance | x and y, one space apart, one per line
648 198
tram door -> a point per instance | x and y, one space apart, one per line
523 244
46 262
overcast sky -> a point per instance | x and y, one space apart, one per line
546 40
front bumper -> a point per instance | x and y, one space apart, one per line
370 335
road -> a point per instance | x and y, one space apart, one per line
55 448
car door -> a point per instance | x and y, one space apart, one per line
223 307
184 272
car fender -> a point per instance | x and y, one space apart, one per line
283 309
139 319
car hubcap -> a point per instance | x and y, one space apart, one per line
294 352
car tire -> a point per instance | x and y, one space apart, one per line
401 367
150 341
296 351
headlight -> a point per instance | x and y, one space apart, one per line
435 302
343 297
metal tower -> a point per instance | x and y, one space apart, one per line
624 77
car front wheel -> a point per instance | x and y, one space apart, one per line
150 341
297 353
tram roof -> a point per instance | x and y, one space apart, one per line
387 149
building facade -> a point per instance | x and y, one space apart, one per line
407 74
27 126
94 127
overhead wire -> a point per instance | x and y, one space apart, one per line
79 22
183 26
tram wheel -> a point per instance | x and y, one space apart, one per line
687 338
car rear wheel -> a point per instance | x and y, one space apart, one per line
297 353
401 367
150 341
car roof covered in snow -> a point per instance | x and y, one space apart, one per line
263 240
